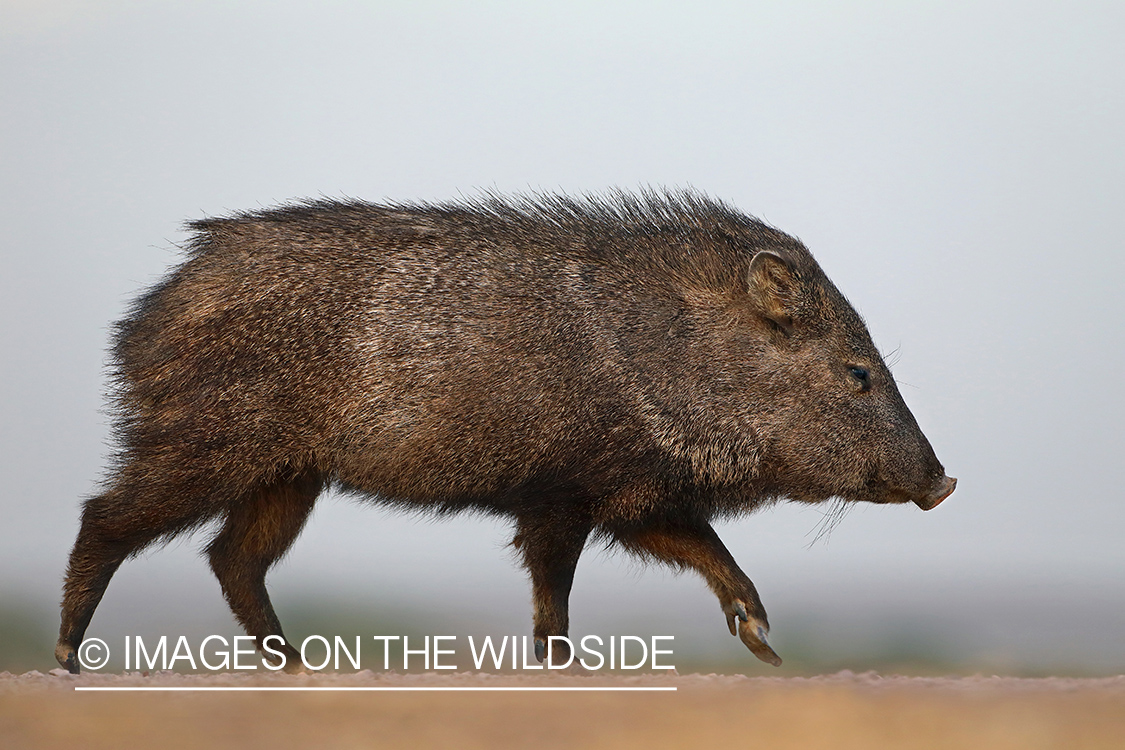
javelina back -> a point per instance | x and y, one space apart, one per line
628 368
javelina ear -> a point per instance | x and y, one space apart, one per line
774 286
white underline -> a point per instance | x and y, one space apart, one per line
433 689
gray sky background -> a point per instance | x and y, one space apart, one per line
956 167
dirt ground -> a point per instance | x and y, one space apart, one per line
837 711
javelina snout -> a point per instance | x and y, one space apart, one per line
624 369
944 489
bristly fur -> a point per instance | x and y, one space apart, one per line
626 367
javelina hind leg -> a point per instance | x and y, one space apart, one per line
697 546
117 524
550 547
257 532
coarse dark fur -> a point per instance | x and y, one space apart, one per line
629 367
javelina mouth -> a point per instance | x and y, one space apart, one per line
944 490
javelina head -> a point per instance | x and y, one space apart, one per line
828 415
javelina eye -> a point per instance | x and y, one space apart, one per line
863 376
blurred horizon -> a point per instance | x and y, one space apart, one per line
822 621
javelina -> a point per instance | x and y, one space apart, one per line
625 368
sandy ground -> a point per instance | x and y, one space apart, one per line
837 711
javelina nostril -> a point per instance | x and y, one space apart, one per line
944 490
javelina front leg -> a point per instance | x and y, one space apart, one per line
697 546
551 548
258 531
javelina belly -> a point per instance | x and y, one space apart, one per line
627 368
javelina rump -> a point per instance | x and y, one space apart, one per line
626 368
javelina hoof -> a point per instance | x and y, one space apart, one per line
293 663
67 657
753 634
560 653
751 631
